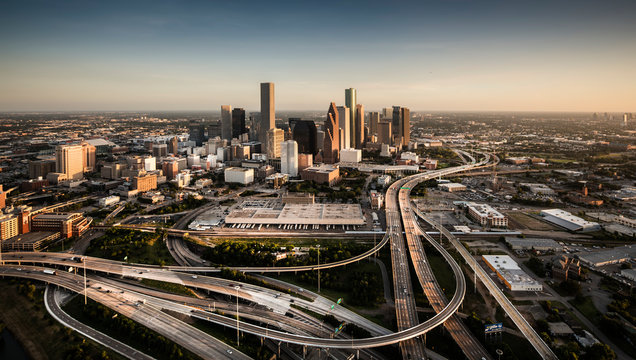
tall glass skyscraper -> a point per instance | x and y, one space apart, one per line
351 102
268 112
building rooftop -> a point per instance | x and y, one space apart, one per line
567 216
509 270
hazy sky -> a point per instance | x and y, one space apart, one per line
426 55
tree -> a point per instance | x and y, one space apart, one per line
599 351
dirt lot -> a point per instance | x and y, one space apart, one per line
518 220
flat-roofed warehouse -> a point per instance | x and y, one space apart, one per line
511 274
616 255
567 220
300 214
539 244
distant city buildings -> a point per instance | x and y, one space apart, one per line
344 119
331 146
226 122
268 112
238 122
289 158
304 132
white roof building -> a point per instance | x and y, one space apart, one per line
567 220
511 274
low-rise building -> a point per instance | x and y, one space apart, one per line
564 268
350 155
452 187
376 199
8 226
511 274
486 215
538 244
145 183
239 175
109 200
324 174
68 224
384 180
566 220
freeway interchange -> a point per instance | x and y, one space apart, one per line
401 226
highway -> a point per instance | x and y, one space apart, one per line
537 342
52 304
471 347
407 316
189 337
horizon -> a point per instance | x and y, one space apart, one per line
458 55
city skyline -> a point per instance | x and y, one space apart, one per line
453 56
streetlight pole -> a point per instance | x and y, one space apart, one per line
238 343
84 262
318 246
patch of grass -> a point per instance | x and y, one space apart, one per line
136 246
168 287
587 308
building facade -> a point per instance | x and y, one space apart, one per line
268 111
331 145
289 158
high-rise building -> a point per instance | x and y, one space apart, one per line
170 169
88 151
345 127
197 133
289 158
173 145
40 168
304 133
8 227
374 119
384 132
69 160
351 102
359 126
159 150
402 124
331 145
268 112
387 113
274 138
238 122
214 130
150 163
226 122
305 161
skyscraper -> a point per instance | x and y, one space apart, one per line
238 122
359 126
197 133
268 113
345 127
351 102
226 122
173 146
88 154
387 113
332 136
304 133
374 119
274 138
69 160
384 132
289 158
401 125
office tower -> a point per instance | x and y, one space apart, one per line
268 113
351 102
255 126
304 133
69 160
159 150
374 119
320 140
170 169
197 133
402 120
274 138
305 161
289 158
88 151
384 132
214 130
359 126
331 145
625 118
387 113
226 122
345 127
40 168
150 163
173 145
238 122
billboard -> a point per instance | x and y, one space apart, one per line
491 328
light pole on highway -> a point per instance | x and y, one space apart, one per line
237 318
84 262
318 246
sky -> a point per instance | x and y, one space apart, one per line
458 55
